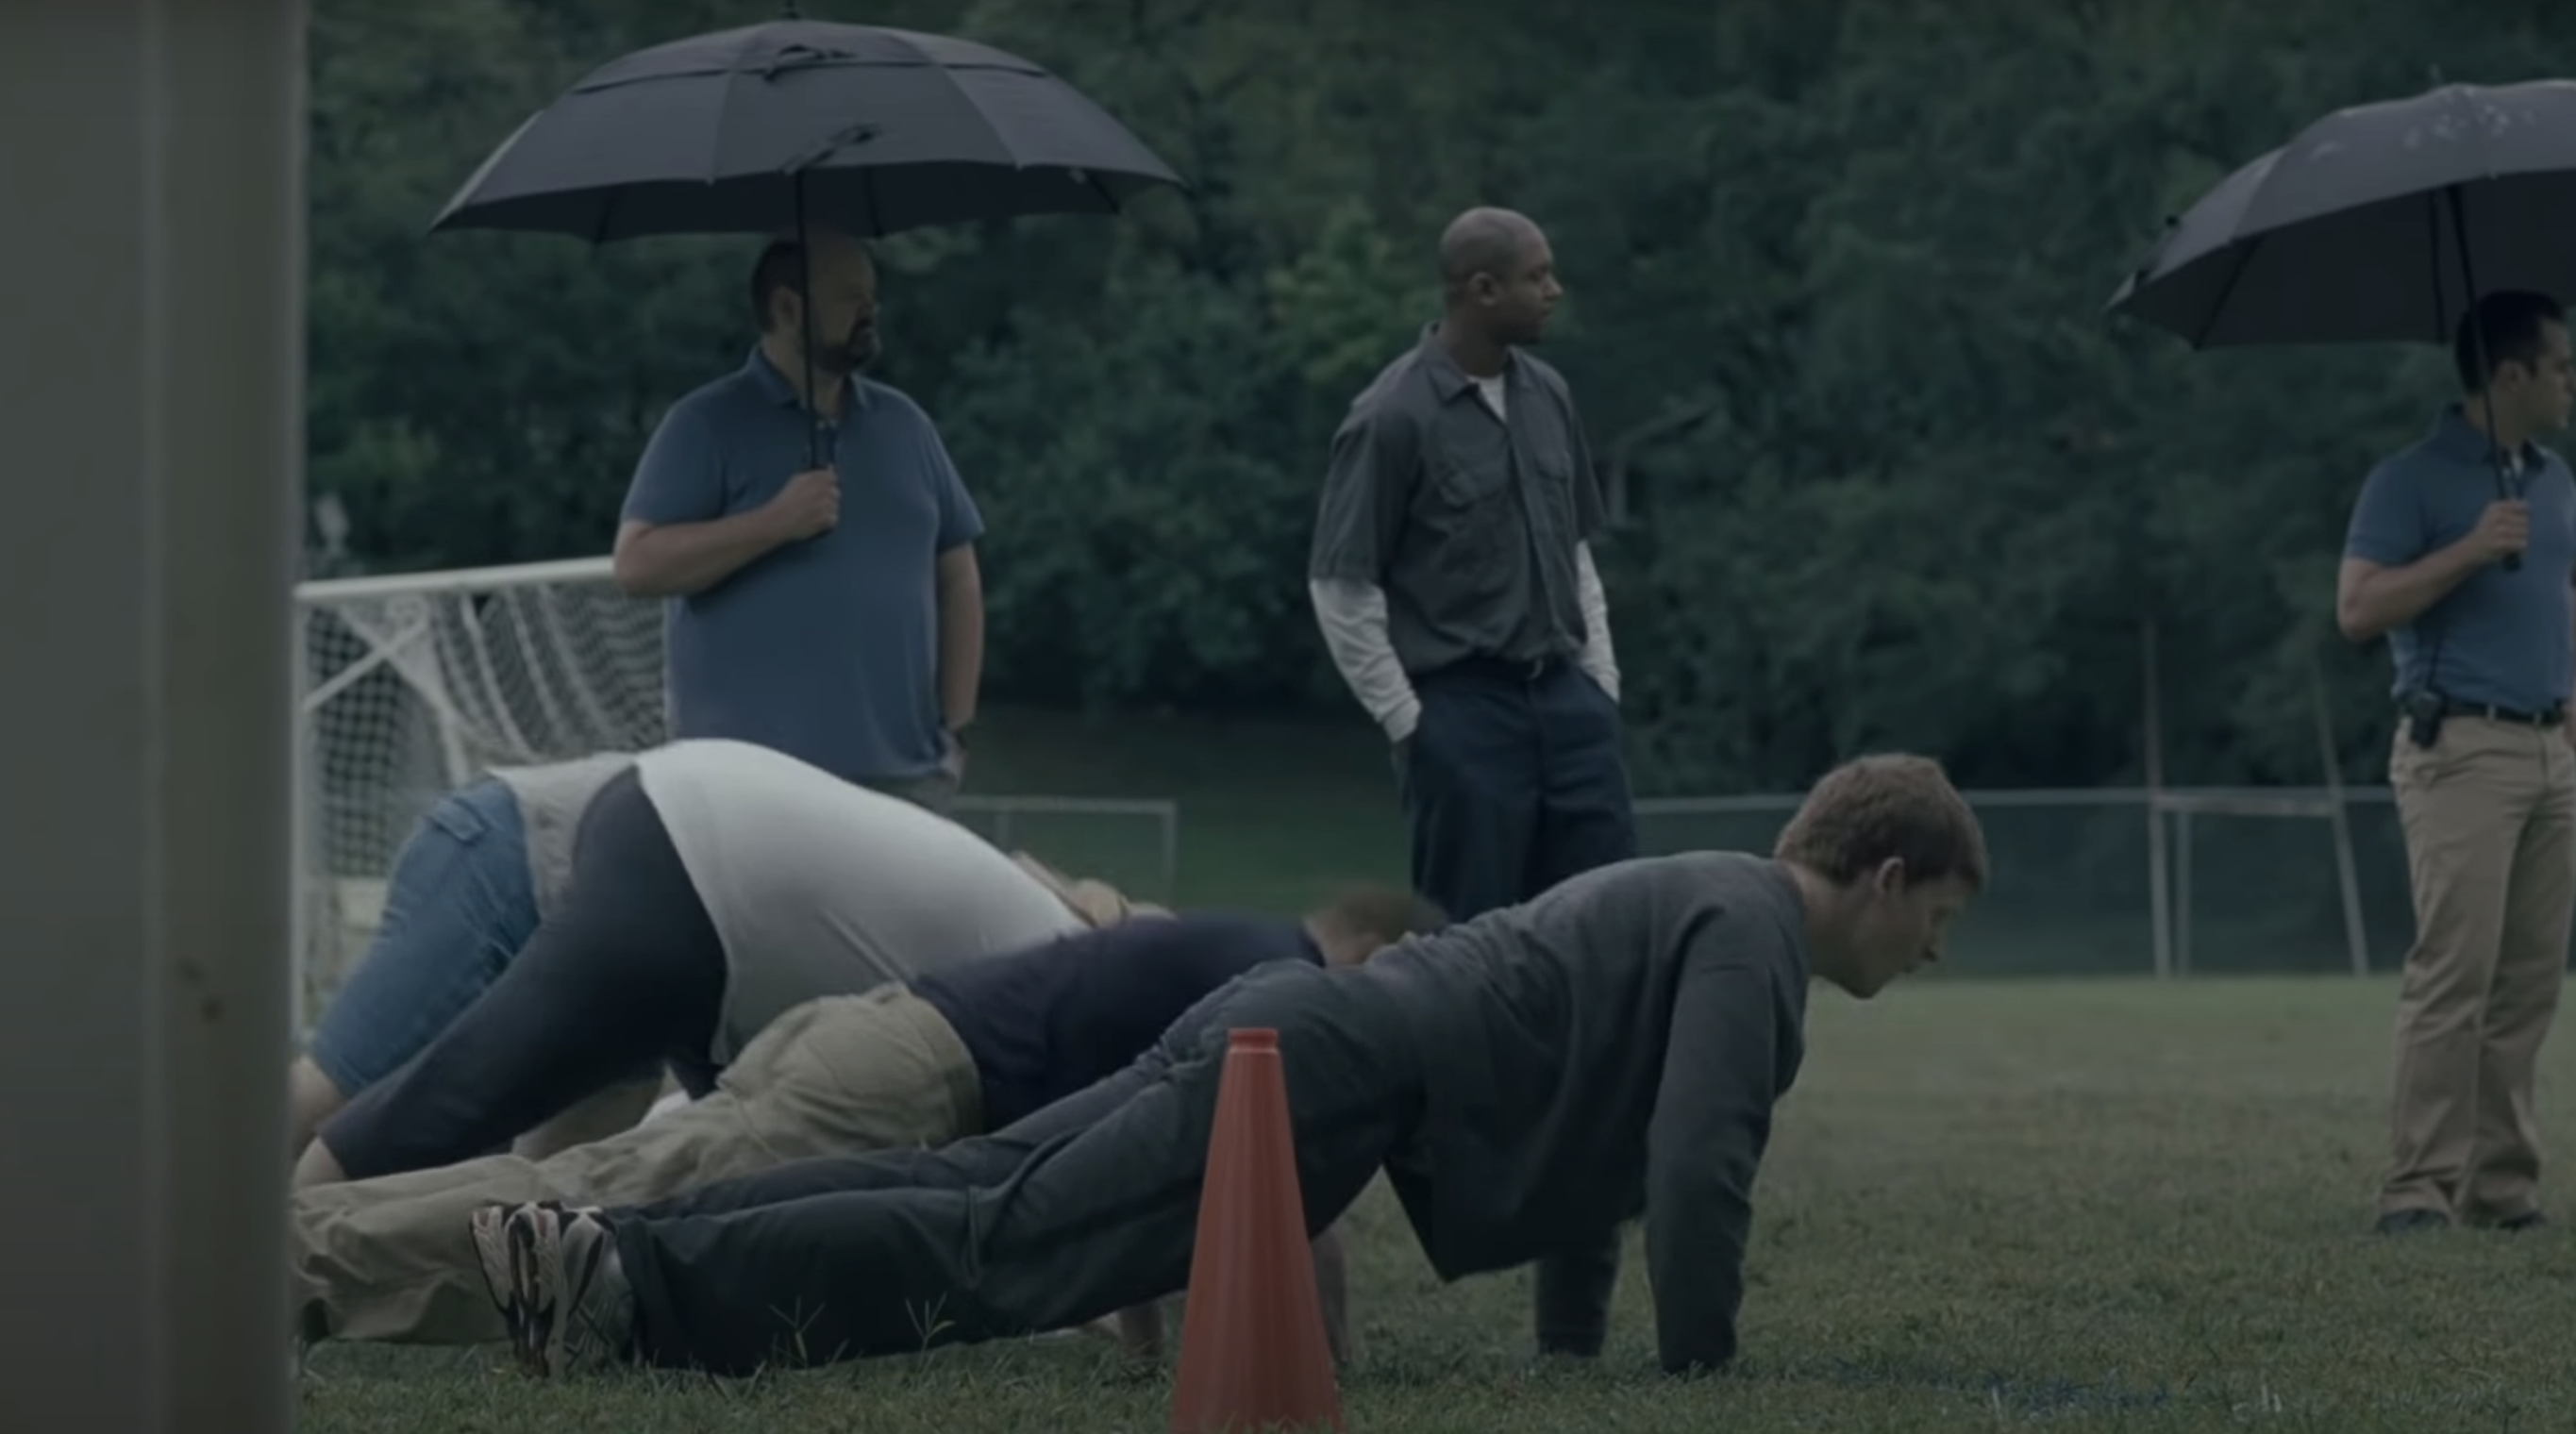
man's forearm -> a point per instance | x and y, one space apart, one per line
2393 597
961 649
1353 619
682 559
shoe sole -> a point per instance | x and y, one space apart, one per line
536 1264
576 1270
496 1249
521 1250
523 1268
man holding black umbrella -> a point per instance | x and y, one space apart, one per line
853 646
2466 562
2435 218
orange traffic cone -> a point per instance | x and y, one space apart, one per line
1253 1354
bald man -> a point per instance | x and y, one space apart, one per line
858 646
1452 575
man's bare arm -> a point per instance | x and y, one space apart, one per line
961 634
678 559
2370 598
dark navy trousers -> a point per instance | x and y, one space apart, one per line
1513 781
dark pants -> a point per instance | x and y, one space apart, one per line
1513 781
628 973
1081 1209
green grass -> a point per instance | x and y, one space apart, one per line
2098 1205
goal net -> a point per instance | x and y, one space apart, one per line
412 684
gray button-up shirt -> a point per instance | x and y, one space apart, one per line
1468 522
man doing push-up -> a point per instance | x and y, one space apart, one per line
1530 1080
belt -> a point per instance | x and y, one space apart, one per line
1486 664
2549 716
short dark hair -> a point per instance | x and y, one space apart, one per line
1891 805
780 267
1384 914
2510 321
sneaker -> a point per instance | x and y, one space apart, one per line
2413 1222
2527 1220
553 1274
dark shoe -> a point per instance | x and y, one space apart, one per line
2413 1222
2529 1220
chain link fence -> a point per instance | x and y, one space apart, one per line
2252 881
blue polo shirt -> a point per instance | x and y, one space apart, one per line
825 649
2501 639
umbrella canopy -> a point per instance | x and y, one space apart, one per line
869 130
2376 223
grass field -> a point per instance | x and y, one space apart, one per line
2096 1205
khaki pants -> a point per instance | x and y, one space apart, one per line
391 1258
2490 820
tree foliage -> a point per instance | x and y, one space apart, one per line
1836 272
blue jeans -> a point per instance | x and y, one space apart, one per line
458 906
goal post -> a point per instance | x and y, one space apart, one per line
2178 814
409 684
2173 820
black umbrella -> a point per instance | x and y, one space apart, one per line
755 130
2378 222
773 127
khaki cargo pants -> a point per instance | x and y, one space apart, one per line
2489 814
391 1259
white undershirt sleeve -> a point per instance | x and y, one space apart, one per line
1597 658
1353 618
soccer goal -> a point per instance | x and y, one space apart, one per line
411 684
2175 817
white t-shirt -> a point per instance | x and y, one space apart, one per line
819 887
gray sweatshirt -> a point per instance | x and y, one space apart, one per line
1610 1049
